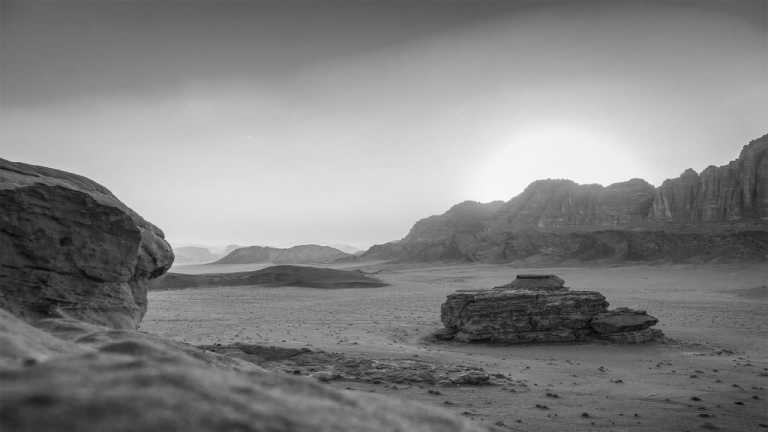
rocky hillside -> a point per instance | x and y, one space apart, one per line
74 266
720 214
302 254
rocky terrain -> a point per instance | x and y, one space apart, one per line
284 275
720 214
74 267
327 366
540 309
302 254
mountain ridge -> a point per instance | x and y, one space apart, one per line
556 220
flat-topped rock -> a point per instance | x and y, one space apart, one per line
535 282
539 308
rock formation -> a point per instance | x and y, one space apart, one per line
74 264
68 246
285 275
720 214
733 193
540 309
302 254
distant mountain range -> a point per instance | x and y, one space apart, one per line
720 214
233 254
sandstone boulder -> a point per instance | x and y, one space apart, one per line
539 308
521 316
69 247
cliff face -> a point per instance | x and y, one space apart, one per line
721 213
565 205
733 193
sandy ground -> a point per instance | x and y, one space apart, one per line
711 375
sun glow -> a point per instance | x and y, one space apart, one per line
539 152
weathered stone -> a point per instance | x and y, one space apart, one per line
116 392
327 366
733 193
535 282
521 316
634 337
69 247
622 320
539 309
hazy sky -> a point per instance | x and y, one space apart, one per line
289 121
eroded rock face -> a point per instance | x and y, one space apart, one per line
733 193
718 215
68 246
547 313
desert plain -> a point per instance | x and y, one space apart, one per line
709 373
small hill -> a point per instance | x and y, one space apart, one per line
302 254
193 255
282 275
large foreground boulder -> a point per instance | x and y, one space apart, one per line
74 266
539 308
69 247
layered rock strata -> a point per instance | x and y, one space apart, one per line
70 247
540 309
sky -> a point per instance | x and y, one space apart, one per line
345 121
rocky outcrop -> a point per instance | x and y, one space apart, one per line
74 261
68 246
720 214
298 276
540 309
302 254
733 193
328 366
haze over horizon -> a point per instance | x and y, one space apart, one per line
344 122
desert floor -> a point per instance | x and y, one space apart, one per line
711 373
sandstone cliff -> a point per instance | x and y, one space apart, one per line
720 214
733 193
